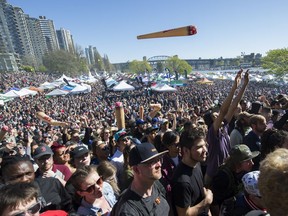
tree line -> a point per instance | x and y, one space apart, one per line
59 62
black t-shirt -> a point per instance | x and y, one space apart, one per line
187 186
54 194
130 203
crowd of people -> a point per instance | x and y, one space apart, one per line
196 151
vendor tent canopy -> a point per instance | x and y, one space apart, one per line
268 77
205 81
255 79
110 82
47 85
123 86
25 92
80 89
13 94
57 92
163 88
33 88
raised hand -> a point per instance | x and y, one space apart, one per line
238 78
246 77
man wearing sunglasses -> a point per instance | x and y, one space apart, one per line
17 169
22 199
19 199
145 196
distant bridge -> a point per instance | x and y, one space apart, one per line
155 59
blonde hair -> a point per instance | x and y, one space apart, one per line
108 172
273 182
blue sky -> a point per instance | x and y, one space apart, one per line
225 27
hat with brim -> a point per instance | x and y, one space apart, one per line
143 153
79 151
241 153
41 151
151 128
119 134
140 122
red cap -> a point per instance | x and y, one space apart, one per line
54 213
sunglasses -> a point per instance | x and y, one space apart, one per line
31 210
91 188
106 148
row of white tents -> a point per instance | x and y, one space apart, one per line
253 77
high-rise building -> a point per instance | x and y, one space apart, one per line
89 52
23 46
8 62
38 41
48 31
65 40
25 40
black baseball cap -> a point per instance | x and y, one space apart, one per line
144 152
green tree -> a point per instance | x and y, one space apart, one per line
276 61
107 65
176 64
139 66
64 62
42 68
160 67
28 68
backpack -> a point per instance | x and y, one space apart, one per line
227 207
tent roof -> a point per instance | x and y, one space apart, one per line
205 81
56 92
47 85
25 92
79 89
123 86
13 94
163 88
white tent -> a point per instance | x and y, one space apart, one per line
79 89
123 86
110 82
255 79
47 85
57 92
13 94
163 88
4 99
87 86
25 91
268 77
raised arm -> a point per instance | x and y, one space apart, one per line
227 102
237 99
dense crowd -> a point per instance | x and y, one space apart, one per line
189 152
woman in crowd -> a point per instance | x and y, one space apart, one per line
170 141
97 196
127 176
108 173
